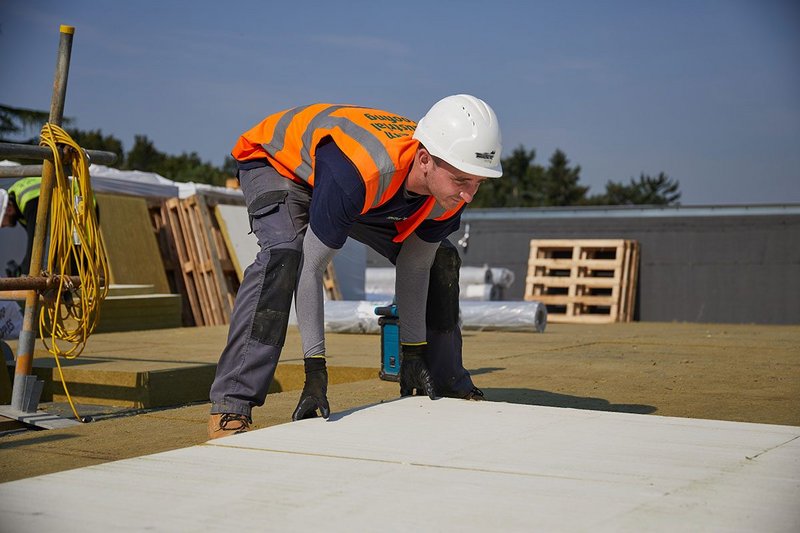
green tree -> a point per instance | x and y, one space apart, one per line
560 183
95 140
185 167
144 156
15 121
526 184
647 190
229 167
519 185
189 167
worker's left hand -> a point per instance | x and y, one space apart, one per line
414 373
314 396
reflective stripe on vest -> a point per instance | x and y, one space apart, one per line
324 123
28 189
24 191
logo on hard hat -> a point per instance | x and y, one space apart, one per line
485 155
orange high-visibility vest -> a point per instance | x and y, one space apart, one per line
378 143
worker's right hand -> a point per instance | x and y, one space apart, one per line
314 396
414 373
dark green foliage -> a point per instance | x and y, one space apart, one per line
185 167
660 190
526 184
560 184
229 166
95 140
17 121
521 184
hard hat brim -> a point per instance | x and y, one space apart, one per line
475 170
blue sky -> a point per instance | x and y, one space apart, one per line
707 91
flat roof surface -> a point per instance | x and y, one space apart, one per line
417 464
631 211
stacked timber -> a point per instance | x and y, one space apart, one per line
584 281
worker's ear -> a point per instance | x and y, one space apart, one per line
424 159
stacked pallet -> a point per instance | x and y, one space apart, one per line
197 259
584 281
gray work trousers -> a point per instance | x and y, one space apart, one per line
279 211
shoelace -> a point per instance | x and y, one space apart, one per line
475 393
228 418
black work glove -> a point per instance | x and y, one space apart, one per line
315 391
414 373
13 269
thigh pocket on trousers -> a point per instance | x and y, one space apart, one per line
270 218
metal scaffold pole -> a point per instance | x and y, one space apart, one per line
26 389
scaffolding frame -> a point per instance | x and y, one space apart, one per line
27 389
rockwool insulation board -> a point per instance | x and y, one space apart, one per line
133 255
446 465
235 226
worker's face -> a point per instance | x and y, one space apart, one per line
9 218
450 186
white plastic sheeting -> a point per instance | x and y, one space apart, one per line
150 184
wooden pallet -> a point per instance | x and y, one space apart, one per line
198 260
192 239
170 260
584 281
329 283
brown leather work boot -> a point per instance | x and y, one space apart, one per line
225 424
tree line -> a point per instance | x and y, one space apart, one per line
527 184
143 156
524 182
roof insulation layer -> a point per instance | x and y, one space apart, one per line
445 465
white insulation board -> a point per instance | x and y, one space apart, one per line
447 465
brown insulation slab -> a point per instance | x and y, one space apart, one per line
133 255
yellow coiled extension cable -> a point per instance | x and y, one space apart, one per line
69 317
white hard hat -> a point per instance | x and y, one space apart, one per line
3 202
463 130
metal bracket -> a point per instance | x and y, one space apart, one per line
26 394
39 419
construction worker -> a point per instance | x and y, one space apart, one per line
21 204
315 175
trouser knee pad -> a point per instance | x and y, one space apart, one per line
275 297
442 309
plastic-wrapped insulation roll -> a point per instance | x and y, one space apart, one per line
379 282
479 292
351 316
